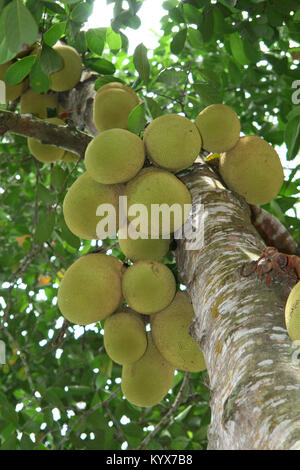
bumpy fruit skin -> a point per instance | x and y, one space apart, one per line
292 313
170 332
125 338
148 286
219 127
252 168
37 104
91 289
172 142
147 381
81 202
143 248
12 92
114 156
67 77
112 105
156 186
43 152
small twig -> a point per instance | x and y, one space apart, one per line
87 413
58 255
61 333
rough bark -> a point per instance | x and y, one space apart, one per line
239 325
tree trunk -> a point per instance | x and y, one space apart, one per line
254 376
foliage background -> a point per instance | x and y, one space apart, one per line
62 392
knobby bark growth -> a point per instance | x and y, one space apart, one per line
253 374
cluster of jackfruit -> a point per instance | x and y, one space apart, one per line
99 287
37 104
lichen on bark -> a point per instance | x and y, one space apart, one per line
239 325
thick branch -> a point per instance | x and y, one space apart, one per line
239 325
62 136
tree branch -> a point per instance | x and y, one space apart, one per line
62 136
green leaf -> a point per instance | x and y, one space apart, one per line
95 39
195 38
207 26
67 235
45 226
153 108
292 137
171 76
178 41
58 177
208 94
191 14
114 40
20 26
137 119
141 62
45 195
100 66
237 48
50 60
81 12
19 70
39 81
54 33
79 389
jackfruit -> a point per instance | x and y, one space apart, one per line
292 313
143 248
252 168
148 286
125 339
170 332
147 381
114 156
90 289
69 75
165 202
172 142
38 104
81 203
219 127
112 105
44 152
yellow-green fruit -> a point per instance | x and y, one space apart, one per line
81 203
37 104
43 152
142 248
125 338
69 75
70 157
219 127
91 289
147 381
112 106
292 313
114 156
164 198
148 286
12 92
252 168
172 142
170 332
